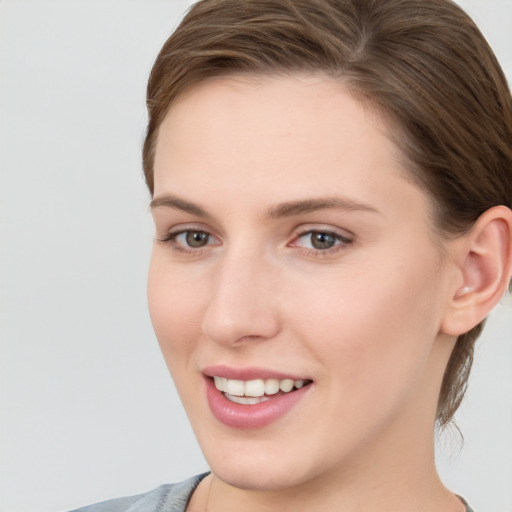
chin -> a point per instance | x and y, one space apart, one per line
256 478
259 465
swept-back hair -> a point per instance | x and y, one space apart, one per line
422 64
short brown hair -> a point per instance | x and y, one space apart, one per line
422 63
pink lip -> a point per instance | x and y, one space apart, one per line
248 373
259 415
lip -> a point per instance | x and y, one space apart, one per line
254 416
249 373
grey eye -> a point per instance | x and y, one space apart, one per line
196 238
321 240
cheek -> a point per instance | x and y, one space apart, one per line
176 309
372 328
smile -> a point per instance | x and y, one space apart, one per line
244 399
255 391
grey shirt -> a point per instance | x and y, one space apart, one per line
166 498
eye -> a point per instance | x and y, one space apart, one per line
188 240
193 239
321 241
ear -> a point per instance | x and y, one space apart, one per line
484 260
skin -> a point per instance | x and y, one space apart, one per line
363 319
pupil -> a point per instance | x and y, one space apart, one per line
197 238
322 240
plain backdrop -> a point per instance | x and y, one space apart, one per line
88 411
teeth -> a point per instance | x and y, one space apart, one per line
271 386
299 384
235 387
220 383
255 389
246 400
286 385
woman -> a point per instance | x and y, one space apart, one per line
331 187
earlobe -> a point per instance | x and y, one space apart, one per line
485 264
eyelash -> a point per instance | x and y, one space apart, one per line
341 241
170 239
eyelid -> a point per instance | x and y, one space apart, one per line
344 238
171 234
324 228
183 227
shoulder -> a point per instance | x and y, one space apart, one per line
468 508
166 498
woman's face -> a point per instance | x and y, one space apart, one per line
292 250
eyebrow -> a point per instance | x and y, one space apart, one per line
176 203
291 208
286 209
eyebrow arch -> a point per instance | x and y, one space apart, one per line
291 208
287 209
170 201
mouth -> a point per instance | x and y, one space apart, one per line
256 391
252 398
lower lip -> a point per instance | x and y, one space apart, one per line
251 416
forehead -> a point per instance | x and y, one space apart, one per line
278 99
275 136
270 112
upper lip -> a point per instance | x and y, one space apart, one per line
249 373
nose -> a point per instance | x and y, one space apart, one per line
243 304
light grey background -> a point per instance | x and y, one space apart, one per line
88 411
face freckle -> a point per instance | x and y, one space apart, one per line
256 164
